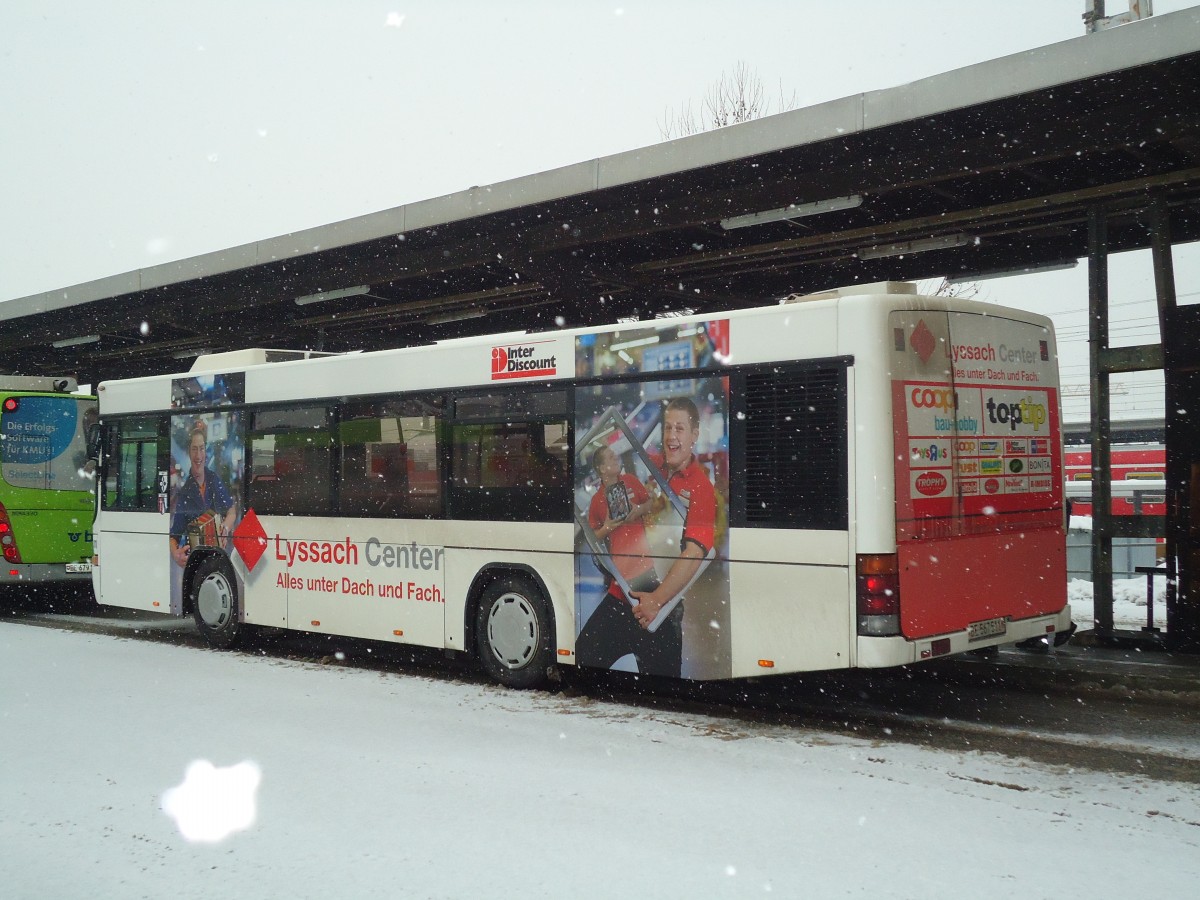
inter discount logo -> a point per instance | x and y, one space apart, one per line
522 361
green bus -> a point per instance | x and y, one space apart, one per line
47 481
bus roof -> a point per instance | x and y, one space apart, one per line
257 356
515 358
56 385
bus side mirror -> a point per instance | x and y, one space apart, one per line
94 441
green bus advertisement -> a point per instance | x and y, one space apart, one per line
47 481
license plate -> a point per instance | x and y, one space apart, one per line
977 631
73 568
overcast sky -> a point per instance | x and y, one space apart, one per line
138 132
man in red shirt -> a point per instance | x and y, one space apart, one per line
616 629
690 482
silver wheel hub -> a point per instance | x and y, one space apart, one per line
513 632
214 601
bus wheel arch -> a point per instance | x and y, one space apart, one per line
511 627
211 595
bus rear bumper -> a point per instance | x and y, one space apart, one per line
42 573
880 652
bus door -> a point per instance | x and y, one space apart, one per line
979 518
132 519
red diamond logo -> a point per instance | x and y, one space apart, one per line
923 341
250 540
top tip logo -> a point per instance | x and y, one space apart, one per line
521 361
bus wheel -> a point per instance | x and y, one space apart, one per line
513 633
215 602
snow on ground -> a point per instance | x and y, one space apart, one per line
366 784
1129 595
1129 602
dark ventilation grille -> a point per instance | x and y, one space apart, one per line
795 449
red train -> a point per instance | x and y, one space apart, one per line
1131 463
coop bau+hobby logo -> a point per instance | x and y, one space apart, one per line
945 399
1023 412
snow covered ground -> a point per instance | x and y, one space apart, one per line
1129 603
333 781
1129 595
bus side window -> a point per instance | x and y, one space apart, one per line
291 458
390 458
132 462
513 469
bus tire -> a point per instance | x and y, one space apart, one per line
513 633
215 603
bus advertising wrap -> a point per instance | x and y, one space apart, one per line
205 488
651 501
975 401
978 462
43 443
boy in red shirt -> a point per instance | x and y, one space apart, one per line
615 516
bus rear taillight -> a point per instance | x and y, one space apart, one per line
877 591
8 543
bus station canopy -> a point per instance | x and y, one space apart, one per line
991 168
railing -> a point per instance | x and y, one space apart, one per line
1140 491
1150 572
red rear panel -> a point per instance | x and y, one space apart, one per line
979 517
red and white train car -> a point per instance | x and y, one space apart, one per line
1130 463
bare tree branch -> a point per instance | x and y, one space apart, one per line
966 290
732 99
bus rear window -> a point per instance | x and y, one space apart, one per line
43 442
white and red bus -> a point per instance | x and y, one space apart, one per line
863 477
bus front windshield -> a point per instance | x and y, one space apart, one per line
43 442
